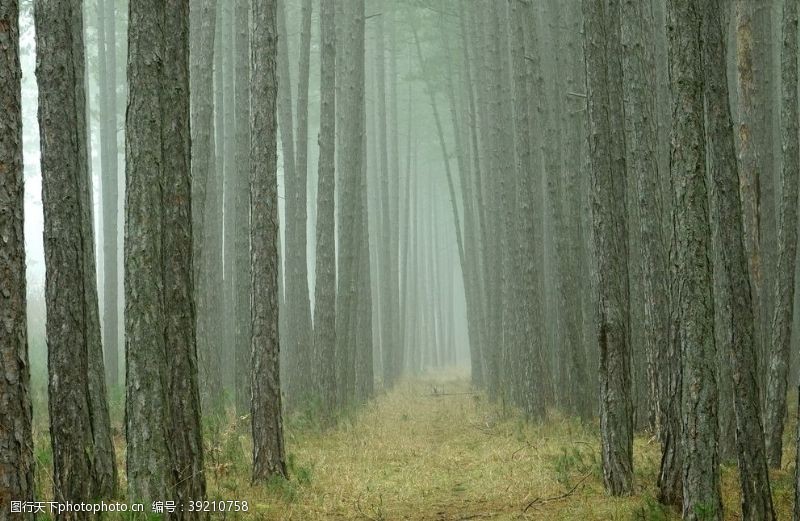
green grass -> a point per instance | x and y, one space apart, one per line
409 454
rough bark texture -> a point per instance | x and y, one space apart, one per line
325 292
83 455
641 145
607 152
734 298
16 439
268 449
701 487
750 133
162 407
781 330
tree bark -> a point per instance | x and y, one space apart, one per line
350 136
734 298
162 407
267 424
607 151
16 446
781 330
83 454
701 486
641 145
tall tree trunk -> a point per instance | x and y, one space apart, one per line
735 297
781 330
751 133
83 454
297 335
162 407
532 398
230 181
16 447
267 424
325 293
701 486
385 241
301 208
350 131
394 191
641 146
203 22
240 186
607 151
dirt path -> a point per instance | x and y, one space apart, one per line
432 450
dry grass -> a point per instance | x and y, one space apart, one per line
412 454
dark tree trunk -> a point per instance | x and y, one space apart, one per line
16 450
734 298
268 448
162 407
701 486
83 454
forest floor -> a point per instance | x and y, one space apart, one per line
431 449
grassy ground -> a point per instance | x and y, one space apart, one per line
431 450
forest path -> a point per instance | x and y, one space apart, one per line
430 449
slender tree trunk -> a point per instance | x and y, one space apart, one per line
532 398
268 448
735 297
16 447
394 199
701 486
83 454
241 202
641 145
203 20
325 293
781 330
350 125
607 151
297 248
750 97
385 241
232 313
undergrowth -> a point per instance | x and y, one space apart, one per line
421 455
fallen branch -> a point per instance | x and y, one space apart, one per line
452 394
541 501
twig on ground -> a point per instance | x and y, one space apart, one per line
541 501
450 394
526 446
